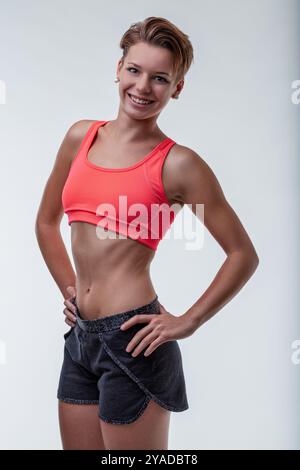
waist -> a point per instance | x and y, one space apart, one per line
114 321
107 298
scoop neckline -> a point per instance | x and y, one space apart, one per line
131 167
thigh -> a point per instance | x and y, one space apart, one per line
149 431
79 426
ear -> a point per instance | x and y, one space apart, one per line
120 65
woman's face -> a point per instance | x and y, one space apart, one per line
146 73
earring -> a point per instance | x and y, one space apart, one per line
176 97
116 80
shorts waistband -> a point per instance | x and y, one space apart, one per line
114 321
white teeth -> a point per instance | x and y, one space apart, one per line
139 101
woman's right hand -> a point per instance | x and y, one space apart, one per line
70 309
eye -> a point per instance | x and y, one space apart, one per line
158 76
130 68
162 78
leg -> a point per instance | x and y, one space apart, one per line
79 426
149 431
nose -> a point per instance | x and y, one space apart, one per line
143 86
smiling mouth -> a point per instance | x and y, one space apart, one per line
144 104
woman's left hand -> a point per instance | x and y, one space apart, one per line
162 327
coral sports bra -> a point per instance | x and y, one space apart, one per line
129 201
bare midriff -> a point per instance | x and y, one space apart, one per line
112 274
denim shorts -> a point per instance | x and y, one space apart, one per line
97 369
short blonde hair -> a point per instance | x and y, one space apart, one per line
161 32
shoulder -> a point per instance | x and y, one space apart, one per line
185 171
74 137
78 130
185 158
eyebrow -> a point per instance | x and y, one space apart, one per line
136 65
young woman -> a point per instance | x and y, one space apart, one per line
122 370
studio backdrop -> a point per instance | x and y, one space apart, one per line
239 110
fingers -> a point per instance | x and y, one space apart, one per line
137 319
70 312
70 305
68 322
139 338
70 317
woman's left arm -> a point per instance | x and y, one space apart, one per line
197 184
193 182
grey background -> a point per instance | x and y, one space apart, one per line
58 61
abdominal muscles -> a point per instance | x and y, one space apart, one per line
112 274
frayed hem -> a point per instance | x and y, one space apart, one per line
129 420
139 383
77 401
168 407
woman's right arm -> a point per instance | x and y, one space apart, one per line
50 212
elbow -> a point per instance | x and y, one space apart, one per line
38 226
253 260
43 227
249 256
